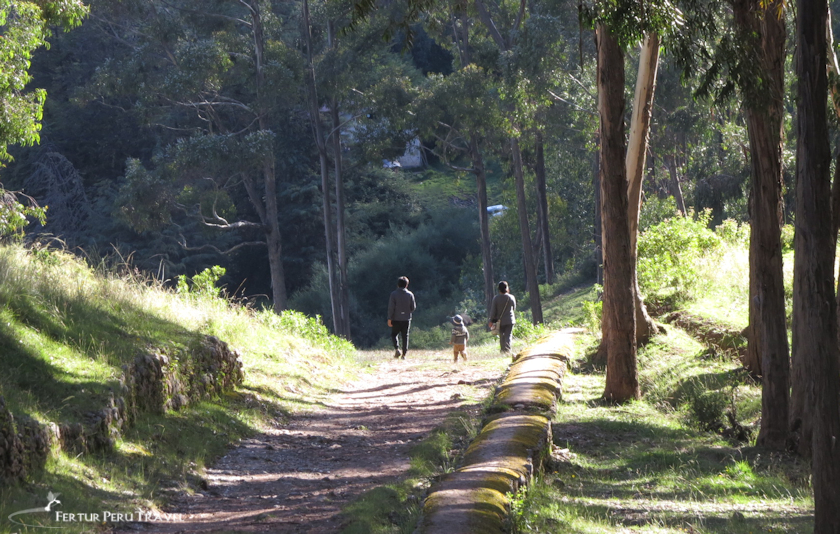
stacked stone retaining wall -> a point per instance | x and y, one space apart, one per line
153 382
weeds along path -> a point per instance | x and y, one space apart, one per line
298 477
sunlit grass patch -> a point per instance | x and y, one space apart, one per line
643 467
66 330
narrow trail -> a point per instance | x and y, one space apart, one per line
297 478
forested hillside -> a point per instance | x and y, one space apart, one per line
166 140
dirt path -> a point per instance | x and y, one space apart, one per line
298 478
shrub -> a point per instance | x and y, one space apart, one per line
203 284
669 254
730 231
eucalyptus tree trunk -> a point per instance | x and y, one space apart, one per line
525 232
342 293
767 349
834 71
815 411
542 206
483 222
320 143
343 290
270 215
674 184
618 325
635 162
597 234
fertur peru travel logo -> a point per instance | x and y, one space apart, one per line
58 519
52 499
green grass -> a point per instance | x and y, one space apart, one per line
66 330
645 466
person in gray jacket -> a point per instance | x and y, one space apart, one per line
400 307
501 311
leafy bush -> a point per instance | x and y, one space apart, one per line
656 210
787 237
525 329
730 231
669 254
310 328
706 409
593 312
203 284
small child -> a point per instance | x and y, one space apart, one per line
459 338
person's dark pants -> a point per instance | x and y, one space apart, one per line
505 331
400 329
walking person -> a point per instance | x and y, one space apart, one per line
459 338
501 312
400 307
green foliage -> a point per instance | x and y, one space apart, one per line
733 233
655 210
592 313
706 409
669 253
430 255
67 330
25 26
526 330
309 328
14 215
787 238
202 285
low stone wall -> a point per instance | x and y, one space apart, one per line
512 445
152 382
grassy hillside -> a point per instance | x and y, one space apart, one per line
682 459
66 332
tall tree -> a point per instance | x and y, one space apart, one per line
334 230
637 148
762 30
459 112
210 72
504 44
618 325
815 411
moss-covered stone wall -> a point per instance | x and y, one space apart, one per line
509 449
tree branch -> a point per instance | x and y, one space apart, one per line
557 97
487 20
183 243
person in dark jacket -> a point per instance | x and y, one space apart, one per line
400 307
459 337
501 311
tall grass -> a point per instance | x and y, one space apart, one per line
66 330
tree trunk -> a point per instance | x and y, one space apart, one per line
815 410
674 185
343 290
597 235
320 143
542 206
525 231
635 163
767 351
271 221
483 222
618 325
342 293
